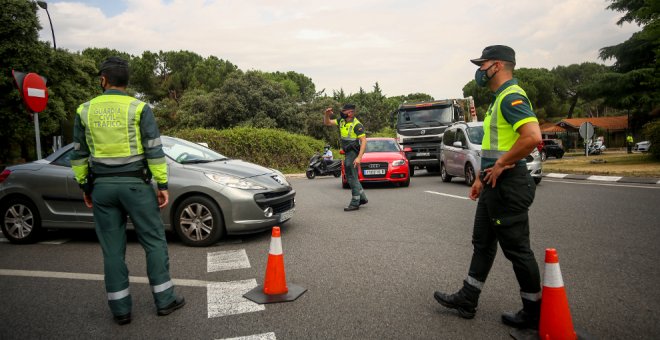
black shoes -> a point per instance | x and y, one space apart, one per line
122 319
528 317
363 202
352 208
466 309
178 303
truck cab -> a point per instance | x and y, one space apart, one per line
420 126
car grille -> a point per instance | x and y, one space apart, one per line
280 201
374 166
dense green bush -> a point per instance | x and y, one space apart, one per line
271 148
652 133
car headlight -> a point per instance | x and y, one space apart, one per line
234 182
281 176
398 162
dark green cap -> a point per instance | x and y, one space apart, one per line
496 52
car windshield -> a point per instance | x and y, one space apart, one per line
475 134
425 117
382 146
186 152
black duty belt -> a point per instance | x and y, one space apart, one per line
137 173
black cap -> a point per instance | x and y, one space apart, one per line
496 52
112 62
348 107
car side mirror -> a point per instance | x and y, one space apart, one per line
341 152
458 144
407 149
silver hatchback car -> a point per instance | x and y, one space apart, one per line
210 196
460 153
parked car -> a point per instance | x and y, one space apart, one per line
643 146
383 161
551 148
210 196
460 153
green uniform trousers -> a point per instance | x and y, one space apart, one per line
357 193
114 199
502 217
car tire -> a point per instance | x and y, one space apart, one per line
560 155
537 180
411 170
198 222
337 173
21 223
405 183
544 156
310 174
469 174
443 173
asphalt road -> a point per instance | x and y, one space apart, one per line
370 274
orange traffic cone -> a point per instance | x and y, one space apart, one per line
556 320
275 288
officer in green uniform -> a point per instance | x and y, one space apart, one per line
117 148
353 142
505 191
630 141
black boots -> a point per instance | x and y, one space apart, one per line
528 317
464 301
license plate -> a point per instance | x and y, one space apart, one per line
374 172
423 154
286 215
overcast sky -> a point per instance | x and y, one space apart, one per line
406 46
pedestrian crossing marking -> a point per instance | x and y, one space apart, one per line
226 298
227 260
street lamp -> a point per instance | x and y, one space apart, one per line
44 5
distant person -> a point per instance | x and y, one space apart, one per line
511 132
327 155
353 142
630 141
117 147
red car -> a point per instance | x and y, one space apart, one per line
383 161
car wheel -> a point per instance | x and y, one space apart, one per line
405 183
443 173
537 180
310 174
337 173
198 222
411 169
21 222
469 174
544 156
560 155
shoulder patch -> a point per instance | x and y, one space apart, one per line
517 102
359 129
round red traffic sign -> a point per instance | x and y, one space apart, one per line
35 92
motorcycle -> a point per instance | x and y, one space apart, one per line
596 148
318 167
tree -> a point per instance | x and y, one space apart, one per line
636 62
571 83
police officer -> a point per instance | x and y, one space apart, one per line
116 147
505 191
630 141
353 142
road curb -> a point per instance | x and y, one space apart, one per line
598 178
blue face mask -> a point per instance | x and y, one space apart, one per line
481 76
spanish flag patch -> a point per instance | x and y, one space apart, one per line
517 102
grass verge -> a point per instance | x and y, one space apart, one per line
614 163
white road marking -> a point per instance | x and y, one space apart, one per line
263 336
641 186
226 298
94 277
448 195
3 240
227 260
604 178
59 241
553 175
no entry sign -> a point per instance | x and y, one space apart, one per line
33 88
